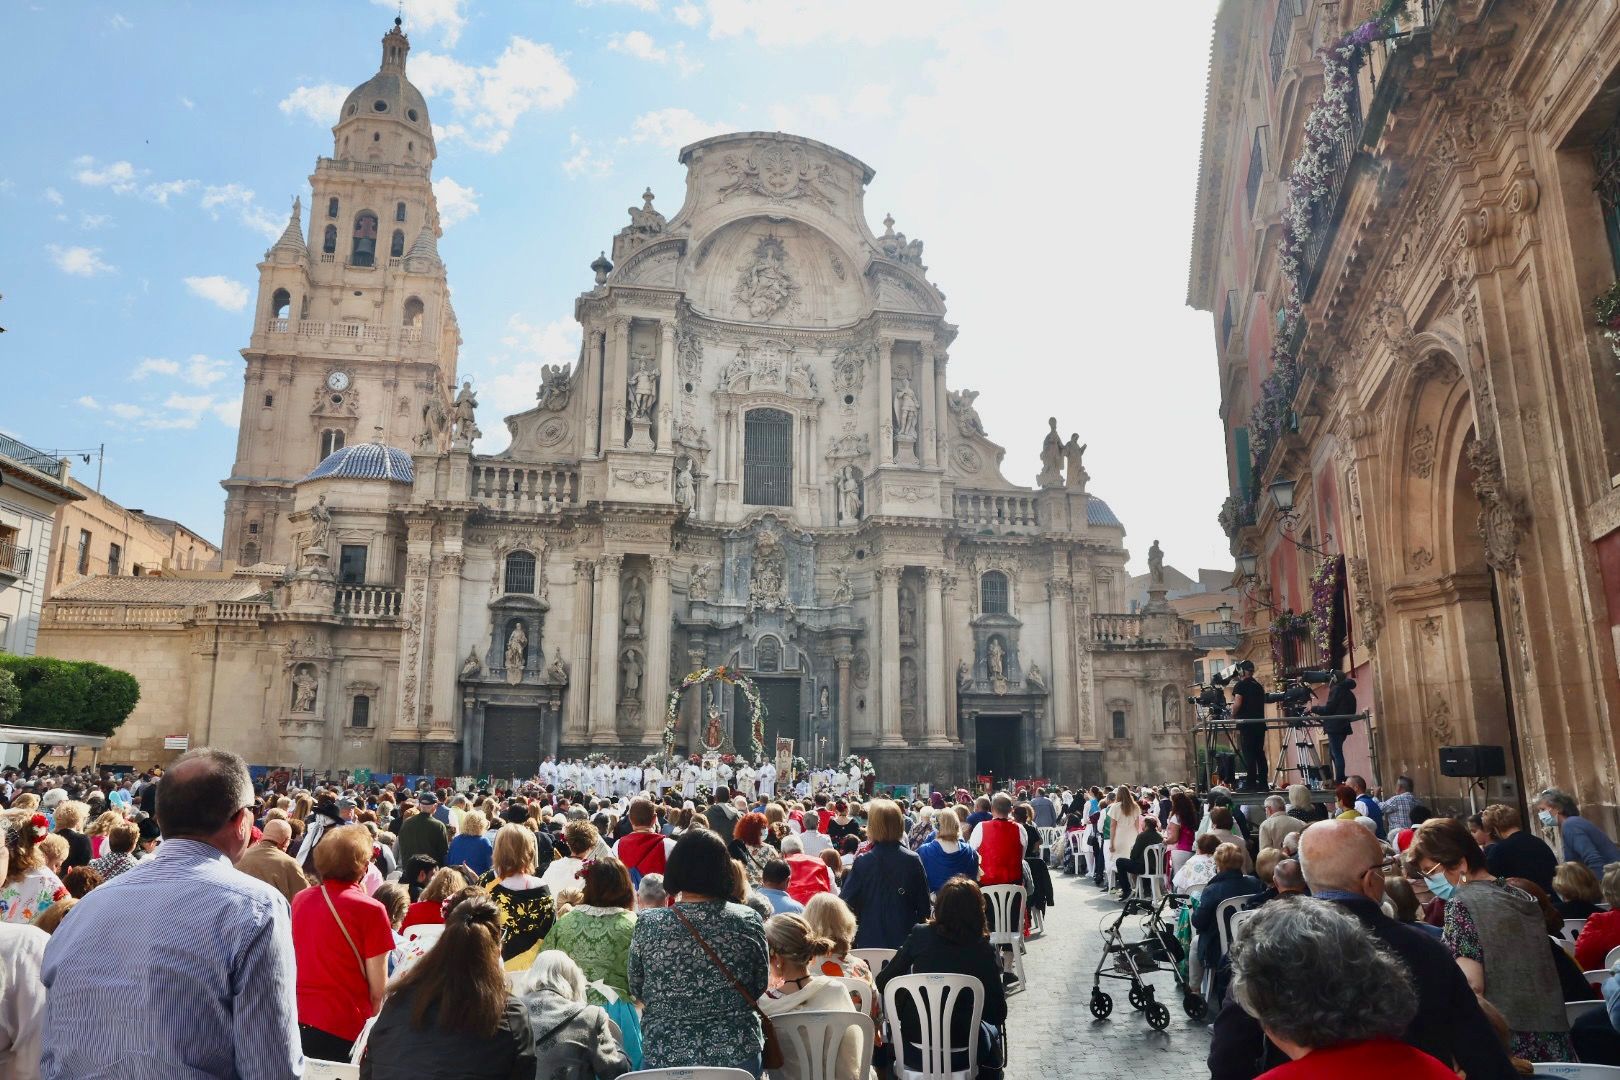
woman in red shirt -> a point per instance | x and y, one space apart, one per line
341 941
1328 994
429 907
1602 930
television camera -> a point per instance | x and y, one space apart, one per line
1212 697
1295 696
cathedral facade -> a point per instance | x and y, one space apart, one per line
756 461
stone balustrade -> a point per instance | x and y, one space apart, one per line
368 601
997 510
235 610
531 488
1151 628
1116 629
347 331
70 613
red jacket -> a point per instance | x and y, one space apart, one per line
1001 852
1600 934
1377 1057
642 853
808 876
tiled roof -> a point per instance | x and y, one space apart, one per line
1097 513
426 246
365 461
159 590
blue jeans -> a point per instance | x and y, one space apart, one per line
1336 753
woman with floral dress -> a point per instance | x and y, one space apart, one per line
526 904
695 1013
596 935
29 886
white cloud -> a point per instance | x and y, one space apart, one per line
248 211
125 411
120 176
641 5
507 381
80 261
640 44
155 366
687 14
90 222
220 291
187 102
320 103
118 22
53 196
489 100
673 127
872 100
802 22
457 202
430 14
161 193
87 402
202 370
583 160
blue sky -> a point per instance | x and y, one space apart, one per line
1046 156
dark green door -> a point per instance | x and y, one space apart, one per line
781 700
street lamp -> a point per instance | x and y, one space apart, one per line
1247 565
1282 496
1224 612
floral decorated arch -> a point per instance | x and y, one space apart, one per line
720 674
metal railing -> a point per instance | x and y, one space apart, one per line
1282 31
35 459
14 559
368 601
1325 212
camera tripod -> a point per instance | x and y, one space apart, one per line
1306 763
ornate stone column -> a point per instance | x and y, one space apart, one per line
617 384
1059 592
656 682
935 668
889 656
605 683
927 419
885 403
842 659
405 751
441 709
959 646
592 382
579 676
941 408
664 437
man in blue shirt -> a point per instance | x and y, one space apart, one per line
1584 842
1366 803
773 883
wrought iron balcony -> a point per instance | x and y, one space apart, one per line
1325 212
1217 635
14 560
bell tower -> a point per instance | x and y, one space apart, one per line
354 335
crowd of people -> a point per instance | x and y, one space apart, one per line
550 932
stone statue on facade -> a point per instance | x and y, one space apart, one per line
472 667
908 684
843 592
1073 453
908 613
1156 563
634 607
305 686
697 584
434 420
557 670
1051 457
630 667
644 389
996 659
1035 679
764 285
517 653
684 486
964 677
905 409
556 386
824 702
849 494
465 405
960 402
320 524
768 585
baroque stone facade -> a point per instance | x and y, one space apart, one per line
1451 416
755 461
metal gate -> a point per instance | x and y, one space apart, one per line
768 458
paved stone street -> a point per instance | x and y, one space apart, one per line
1053 1035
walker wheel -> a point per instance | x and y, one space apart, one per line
1101 1005
1194 1004
1138 998
1158 1017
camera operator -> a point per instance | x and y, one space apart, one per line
1249 710
1340 707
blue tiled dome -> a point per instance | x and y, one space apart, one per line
1098 513
365 461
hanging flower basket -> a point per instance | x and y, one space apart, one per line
723 674
1283 625
1326 584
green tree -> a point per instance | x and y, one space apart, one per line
10 697
70 695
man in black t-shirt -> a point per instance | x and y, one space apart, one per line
1249 710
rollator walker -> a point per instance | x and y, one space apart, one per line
1130 961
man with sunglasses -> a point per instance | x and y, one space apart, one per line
1345 865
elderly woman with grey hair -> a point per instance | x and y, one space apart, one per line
573 1040
1329 995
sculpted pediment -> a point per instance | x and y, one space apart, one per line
774 272
654 266
899 289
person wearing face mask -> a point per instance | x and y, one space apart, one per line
1344 864
1496 933
1583 841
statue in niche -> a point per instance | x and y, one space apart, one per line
644 389
764 286
697 584
517 652
1051 457
908 612
465 405
634 607
555 387
964 677
472 666
905 409
767 586
684 486
996 658
630 669
843 591
908 682
1156 563
320 523
849 494
305 687
1035 678
960 402
557 671
1073 451
824 702
800 379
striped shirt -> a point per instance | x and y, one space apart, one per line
180 969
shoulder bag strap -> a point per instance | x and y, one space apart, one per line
735 982
364 975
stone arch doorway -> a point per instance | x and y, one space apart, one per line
1443 681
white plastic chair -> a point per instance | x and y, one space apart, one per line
1569 1070
812 1041
875 958
315 1069
1610 960
1239 918
1004 904
1572 930
1597 976
1224 915
1050 836
861 993
427 934
1079 860
935 999
1574 1010
1153 871
701 1072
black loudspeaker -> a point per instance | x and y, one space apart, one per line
1472 761
1226 767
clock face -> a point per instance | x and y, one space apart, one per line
338 380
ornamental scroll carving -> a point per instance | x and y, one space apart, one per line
1502 514
778 171
1422 453
1369 612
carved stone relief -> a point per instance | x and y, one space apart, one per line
779 171
1502 514
764 285
1421 458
